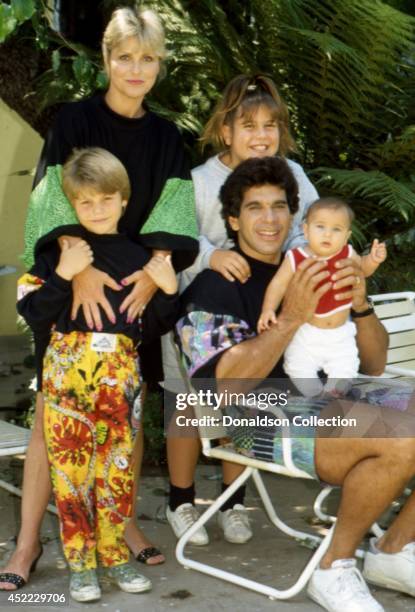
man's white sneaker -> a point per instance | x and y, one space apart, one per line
182 519
235 524
341 588
392 571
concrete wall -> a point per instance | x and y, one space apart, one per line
20 151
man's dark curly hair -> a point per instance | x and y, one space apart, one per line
254 173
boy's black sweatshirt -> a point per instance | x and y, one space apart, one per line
45 298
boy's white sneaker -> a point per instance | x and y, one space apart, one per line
182 519
341 588
127 578
235 524
84 586
392 571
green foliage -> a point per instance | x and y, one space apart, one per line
23 9
154 440
385 205
14 14
8 21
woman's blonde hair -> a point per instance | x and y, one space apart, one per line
242 97
143 24
97 169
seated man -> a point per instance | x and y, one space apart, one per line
218 340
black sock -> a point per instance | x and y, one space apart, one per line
237 498
179 496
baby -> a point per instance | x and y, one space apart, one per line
327 342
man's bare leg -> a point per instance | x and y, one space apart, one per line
372 472
35 497
134 537
402 530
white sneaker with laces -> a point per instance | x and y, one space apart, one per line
235 524
84 586
392 571
341 588
182 519
128 578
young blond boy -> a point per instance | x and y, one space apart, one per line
91 381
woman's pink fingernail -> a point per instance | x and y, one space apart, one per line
123 282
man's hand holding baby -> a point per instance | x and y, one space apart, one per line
303 294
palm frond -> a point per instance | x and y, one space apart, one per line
391 195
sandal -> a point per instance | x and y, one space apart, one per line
18 581
149 553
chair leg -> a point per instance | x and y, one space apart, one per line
318 511
12 489
275 519
328 518
235 578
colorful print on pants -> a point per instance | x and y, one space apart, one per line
89 398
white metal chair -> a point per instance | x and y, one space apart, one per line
252 470
397 312
14 440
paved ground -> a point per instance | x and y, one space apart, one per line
270 556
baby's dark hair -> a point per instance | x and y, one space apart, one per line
331 203
256 172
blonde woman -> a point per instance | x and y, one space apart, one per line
159 213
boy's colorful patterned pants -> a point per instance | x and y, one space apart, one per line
92 405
